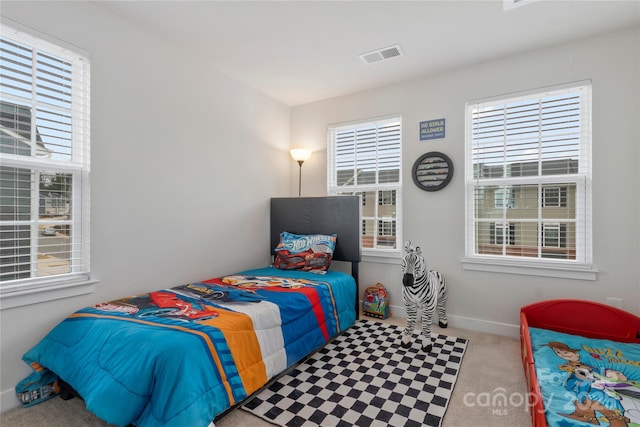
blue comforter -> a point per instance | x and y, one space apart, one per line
183 355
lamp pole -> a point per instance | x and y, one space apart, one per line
300 162
300 155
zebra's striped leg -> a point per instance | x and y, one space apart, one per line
442 302
427 318
412 315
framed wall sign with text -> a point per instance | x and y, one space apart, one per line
432 129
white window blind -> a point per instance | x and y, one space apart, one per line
528 174
44 172
364 158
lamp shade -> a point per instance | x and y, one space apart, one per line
300 154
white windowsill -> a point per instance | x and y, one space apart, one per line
43 294
382 258
543 270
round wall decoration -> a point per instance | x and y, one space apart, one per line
432 171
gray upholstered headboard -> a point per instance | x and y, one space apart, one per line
320 215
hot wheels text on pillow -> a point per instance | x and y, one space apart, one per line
310 252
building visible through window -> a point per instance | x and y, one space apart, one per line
44 151
364 158
528 176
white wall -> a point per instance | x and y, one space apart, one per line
180 176
180 184
491 301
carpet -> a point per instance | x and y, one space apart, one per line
365 378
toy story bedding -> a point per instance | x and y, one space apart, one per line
183 355
586 381
581 361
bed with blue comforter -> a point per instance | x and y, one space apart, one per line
183 356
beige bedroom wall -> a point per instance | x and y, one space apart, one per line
483 300
184 161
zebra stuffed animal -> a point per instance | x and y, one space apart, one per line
422 288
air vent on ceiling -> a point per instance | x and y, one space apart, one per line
512 4
381 54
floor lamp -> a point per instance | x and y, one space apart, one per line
300 155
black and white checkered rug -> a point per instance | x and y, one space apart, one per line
365 378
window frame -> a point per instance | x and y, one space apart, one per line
77 280
555 237
503 231
382 192
582 267
386 198
561 197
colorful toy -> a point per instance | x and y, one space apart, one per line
375 302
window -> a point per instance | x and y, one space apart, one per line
386 198
528 177
554 197
386 233
503 197
44 177
364 159
502 233
551 235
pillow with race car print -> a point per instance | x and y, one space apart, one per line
308 252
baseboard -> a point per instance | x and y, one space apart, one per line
485 326
8 400
462 322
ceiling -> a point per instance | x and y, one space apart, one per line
303 51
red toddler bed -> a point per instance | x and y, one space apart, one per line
582 363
